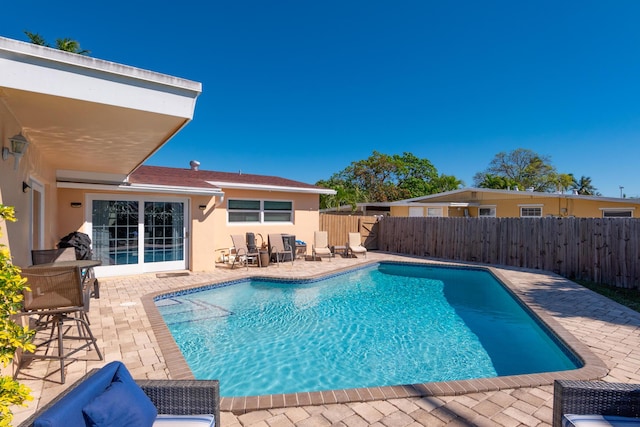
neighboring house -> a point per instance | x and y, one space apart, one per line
483 202
90 125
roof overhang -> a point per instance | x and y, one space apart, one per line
145 188
240 186
83 113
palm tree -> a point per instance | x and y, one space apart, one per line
584 186
66 44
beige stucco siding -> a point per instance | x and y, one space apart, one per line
305 218
16 235
208 229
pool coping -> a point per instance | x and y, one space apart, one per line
593 367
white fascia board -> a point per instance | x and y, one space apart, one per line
145 188
238 186
90 177
39 69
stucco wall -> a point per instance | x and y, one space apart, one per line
16 235
306 218
209 228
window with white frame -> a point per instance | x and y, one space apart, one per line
487 211
617 213
435 212
259 211
530 211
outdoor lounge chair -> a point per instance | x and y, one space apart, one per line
243 256
586 403
355 244
279 250
321 245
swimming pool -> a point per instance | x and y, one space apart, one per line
386 324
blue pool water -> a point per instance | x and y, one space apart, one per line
388 324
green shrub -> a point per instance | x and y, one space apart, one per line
12 335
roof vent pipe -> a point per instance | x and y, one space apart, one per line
195 165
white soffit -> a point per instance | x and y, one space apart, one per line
86 114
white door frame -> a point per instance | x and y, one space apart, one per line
141 266
37 188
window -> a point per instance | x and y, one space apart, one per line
487 212
260 211
617 213
531 211
434 212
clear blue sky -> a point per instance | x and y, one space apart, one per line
300 89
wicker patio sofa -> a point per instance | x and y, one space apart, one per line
595 398
181 401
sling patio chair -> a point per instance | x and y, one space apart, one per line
58 301
321 245
355 244
243 255
279 250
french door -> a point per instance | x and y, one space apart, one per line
138 235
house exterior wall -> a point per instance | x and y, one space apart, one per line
209 229
306 217
509 205
16 235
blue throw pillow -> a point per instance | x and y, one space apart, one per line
122 404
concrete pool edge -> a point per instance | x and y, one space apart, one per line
593 367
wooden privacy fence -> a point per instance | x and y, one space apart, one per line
602 250
338 228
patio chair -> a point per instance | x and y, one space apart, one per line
57 297
243 255
321 245
279 250
593 403
46 256
355 244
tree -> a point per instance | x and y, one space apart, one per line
523 168
563 181
444 183
12 335
66 44
385 178
584 186
487 180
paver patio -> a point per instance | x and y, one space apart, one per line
124 332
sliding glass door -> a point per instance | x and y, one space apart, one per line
135 235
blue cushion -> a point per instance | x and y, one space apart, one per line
123 404
67 412
572 420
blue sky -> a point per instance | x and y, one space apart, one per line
300 89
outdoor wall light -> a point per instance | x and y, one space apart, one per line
76 204
17 149
25 187
202 207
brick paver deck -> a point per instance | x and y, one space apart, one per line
608 332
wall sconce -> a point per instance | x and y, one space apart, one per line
17 149
25 187
202 207
76 204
